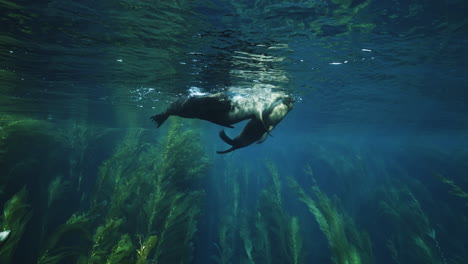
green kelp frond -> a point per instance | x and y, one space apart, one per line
262 243
57 256
145 249
19 133
15 217
273 170
413 239
347 244
224 247
176 239
184 161
228 246
247 241
122 252
56 189
77 225
403 210
295 241
156 189
104 239
455 189
276 235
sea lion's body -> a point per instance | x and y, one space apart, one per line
258 130
227 108
216 108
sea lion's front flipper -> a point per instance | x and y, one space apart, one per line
263 138
260 117
229 141
225 138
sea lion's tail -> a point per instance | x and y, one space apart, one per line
228 140
159 119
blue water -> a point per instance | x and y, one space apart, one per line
377 141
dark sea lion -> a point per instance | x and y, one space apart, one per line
265 111
258 130
216 108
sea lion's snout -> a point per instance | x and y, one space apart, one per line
289 101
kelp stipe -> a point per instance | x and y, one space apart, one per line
15 217
347 244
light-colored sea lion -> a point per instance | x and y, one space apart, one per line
227 108
258 130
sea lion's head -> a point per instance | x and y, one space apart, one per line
273 115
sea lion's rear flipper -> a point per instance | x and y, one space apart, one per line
225 138
226 151
159 119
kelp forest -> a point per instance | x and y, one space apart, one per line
78 193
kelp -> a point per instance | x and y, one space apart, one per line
455 189
17 134
77 225
27 147
152 191
413 238
227 246
347 244
57 188
123 252
265 233
15 217
144 192
145 248
295 241
276 236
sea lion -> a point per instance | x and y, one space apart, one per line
215 108
258 130
228 108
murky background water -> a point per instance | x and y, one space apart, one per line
370 166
